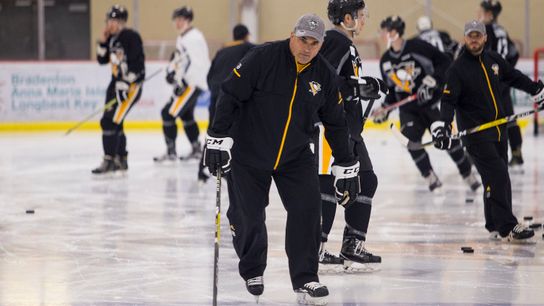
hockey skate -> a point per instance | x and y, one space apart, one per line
107 166
520 234
121 163
472 181
255 286
312 293
166 158
356 257
328 262
495 236
433 181
516 164
196 152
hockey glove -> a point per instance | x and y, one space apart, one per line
121 90
538 98
426 91
368 87
380 115
171 77
217 153
346 183
441 135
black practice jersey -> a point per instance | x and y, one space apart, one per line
498 41
441 40
125 53
404 71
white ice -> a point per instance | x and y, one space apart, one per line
147 238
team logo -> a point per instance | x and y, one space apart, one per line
403 75
495 69
312 24
315 88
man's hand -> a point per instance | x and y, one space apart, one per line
441 135
217 153
346 182
368 87
538 98
380 115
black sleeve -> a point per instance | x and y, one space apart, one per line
135 54
450 97
103 52
441 62
514 77
333 118
237 89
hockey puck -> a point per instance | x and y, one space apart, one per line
469 200
30 211
467 250
535 225
528 218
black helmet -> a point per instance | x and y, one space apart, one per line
492 6
117 12
185 12
393 23
337 9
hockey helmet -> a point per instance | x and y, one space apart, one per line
424 23
184 12
337 9
118 12
493 6
393 23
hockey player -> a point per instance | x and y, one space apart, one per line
439 39
222 65
186 72
122 48
266 115
472 93
414 66
498 41
348 17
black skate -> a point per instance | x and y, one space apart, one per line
520 234
312 293
472 181
107 166
255 286
167 157
433 181
121 163
353 251
326 258
196 152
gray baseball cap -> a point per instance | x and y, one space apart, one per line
310 25
474 26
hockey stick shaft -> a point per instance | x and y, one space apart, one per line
395 105
366 113
217 234
105 107
412 146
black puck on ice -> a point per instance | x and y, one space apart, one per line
528 218
535 225
467 250
30 211
469 200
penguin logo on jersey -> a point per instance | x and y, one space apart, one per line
404 75
315 87
495 69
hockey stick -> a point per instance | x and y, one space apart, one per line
412 145
366 112
105 107
217 233
394 105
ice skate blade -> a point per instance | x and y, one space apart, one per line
527 241
304 298
356 267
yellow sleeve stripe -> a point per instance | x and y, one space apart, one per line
447 91
236 72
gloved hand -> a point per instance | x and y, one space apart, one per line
217 153
368 87
170 77
441 135
380 115
121 90
426 91
346 182
538 98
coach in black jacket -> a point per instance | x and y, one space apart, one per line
472 92
266 116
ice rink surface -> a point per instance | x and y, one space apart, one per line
147 238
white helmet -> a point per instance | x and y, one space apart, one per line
424 23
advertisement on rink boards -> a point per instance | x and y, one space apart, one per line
67 91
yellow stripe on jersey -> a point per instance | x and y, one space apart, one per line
180 101
124 106
236 72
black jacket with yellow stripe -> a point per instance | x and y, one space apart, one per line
268 106
472 91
